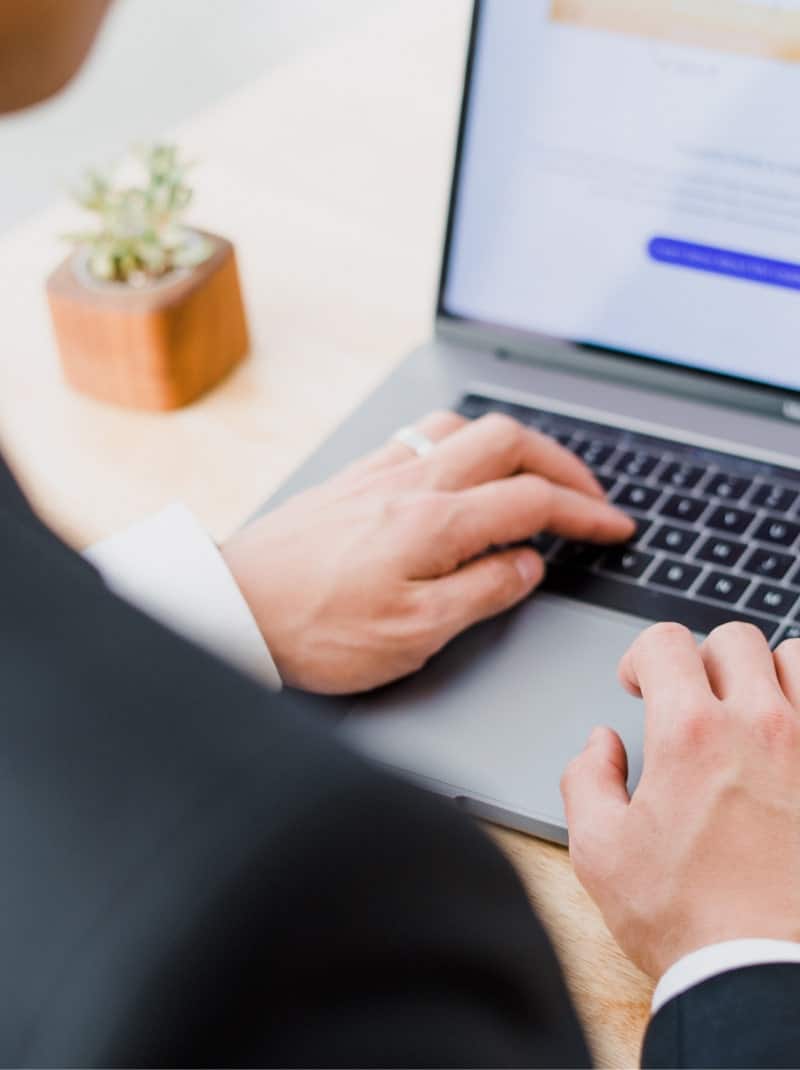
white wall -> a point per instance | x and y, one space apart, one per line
156 62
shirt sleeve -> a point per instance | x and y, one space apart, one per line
169 567
707 962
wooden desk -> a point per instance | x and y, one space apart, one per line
331 176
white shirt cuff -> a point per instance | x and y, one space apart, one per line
169 567
707 962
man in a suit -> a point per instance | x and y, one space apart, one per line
195 872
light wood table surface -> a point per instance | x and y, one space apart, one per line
331 176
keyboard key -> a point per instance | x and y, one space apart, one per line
593 452
544 541
792 632
768 563
642 527
676 574
723 587
682 507
619 577
721 551
676 540
774 497
775 530
625 562
727 518
794 577
576 554
681 475
508 408
472 406
636 464
649 603
774 600
636 496
729 487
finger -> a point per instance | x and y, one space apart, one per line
787 667
665 668
739 663
496 446
482 589
435 426
595 793
510 510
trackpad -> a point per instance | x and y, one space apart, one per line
498 714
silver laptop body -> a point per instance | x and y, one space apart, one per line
623 226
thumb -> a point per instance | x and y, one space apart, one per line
594 791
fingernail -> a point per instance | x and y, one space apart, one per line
530 568
595 735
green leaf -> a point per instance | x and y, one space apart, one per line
139 233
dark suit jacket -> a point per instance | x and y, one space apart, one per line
195 872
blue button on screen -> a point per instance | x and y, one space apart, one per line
725 262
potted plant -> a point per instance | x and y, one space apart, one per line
147 312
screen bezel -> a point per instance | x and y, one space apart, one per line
635 368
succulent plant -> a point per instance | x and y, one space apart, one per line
140 237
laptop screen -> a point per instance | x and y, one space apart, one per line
629 177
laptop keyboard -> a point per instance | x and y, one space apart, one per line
717 535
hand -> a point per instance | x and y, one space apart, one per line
708 847
361 580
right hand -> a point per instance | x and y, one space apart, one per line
708 847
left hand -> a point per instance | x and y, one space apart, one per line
361 580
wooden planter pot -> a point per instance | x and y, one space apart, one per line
158 347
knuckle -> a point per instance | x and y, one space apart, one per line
693 728
736 629
669 631
428 509
431 502
789 649
776 725
392 507
536 498
541 489
445 419
407 521
660 638
504 429
438 424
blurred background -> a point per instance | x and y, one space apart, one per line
323 135
159 61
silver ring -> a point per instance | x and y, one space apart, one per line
415 440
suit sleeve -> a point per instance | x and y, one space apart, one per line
195 872
743 1018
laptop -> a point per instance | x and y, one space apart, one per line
621 270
